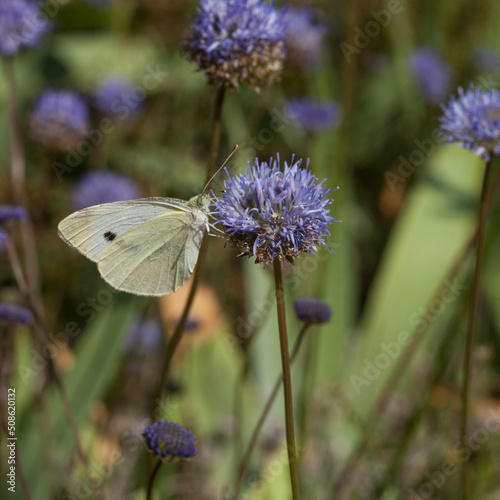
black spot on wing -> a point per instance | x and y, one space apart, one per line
108 235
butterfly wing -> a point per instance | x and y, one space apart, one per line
157 257
93 229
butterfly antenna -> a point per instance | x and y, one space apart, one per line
221 167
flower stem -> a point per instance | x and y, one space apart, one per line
471 327
287 379
179 329
45 339
151 480
343 480
266 410
18 177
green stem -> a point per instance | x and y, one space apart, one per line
46 339
266 410
471 327
287 379
342 483
179 329
152 479
18 177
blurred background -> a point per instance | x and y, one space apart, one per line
377 389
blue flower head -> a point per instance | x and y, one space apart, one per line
304 37
313 115
237 41
312 310
170 442
21 25
488 60
59 120
432 73
15 314
271 213
472 120
116 97
10 212
95 188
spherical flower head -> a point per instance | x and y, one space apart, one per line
11 212
237 41
313 115
21 25
144 337
472 120
303 37
59 120
15 314
115 97
312 310
95 188
271 213
170 442
432 73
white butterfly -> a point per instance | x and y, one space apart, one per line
148 246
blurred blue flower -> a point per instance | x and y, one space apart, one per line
59 120
433 74
115 97
313 115
15 314
268 213
304 37
473 121
170 442
312 310
3 240
95 188
237 41
21 25
144 337
8 212
488 60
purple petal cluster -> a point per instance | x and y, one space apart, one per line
312 310
472 120
95 188
144 337
59 120
170 442
313 115
9 212
303 37
15 314
432 73
116 98
271 213
237 41
21 25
